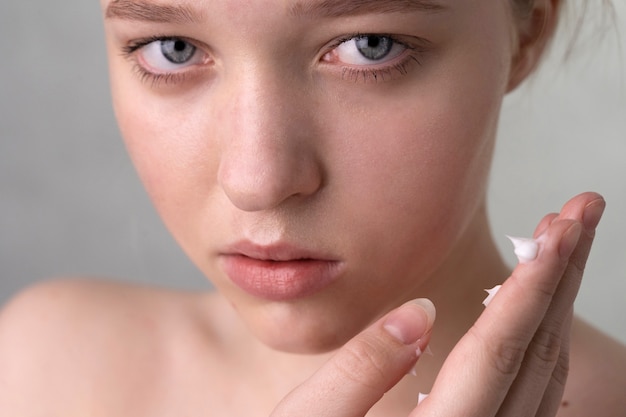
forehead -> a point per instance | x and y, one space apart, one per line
181 10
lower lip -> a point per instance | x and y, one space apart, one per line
280 280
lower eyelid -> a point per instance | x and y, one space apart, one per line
165 78
394 70
156 80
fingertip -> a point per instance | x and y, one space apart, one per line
428 307
562 236
592 214
411 321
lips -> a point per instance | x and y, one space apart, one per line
279 272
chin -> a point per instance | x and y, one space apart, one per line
303 329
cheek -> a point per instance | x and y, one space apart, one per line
174 162
413 167
431 151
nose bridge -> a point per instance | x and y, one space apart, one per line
267 154
260 106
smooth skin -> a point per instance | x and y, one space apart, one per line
76 348
273 134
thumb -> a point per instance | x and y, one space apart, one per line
366 367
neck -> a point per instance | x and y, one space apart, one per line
457 288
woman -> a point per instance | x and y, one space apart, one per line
323 163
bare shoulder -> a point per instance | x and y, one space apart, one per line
61 342
597 374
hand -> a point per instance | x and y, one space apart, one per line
512 362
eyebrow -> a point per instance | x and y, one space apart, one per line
340 8
145 11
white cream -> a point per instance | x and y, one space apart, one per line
429 351
419 352
491 293
421 397
525 249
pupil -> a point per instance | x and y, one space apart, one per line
179 46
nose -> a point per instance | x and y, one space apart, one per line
268 149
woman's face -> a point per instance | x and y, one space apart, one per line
317 160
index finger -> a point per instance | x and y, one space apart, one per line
484 364
360 373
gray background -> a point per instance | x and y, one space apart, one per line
70 203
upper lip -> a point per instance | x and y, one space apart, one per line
274 252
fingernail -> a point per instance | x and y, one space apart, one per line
525 249
593 214
491 293
411 321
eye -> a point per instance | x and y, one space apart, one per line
367 50
169 54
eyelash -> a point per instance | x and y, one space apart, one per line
367 74
355 73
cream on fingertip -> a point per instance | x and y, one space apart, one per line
418 353
526 249
429 351
491 293
421 397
